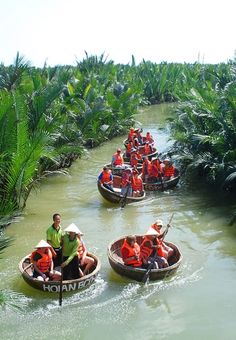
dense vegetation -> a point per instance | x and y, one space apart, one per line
49 115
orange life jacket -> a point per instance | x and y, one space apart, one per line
146 251
149 137
154 171
125 179
129 147
131 135
44 263
133 251
137 183
106 176
146 167
133 159
169 171
147 149
117 159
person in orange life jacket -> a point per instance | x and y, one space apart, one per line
130 252
126 189
166 250
117 159
129 147
42 262
131 134
139 136
147 148
135 157
146 169
84 259
168 169
136 143
70 246
137 184
151 251
155 170
106 178
149 138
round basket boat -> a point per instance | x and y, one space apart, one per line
134 273
26 269
115 196
162 185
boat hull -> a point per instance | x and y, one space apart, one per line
54 286
116 197
137 274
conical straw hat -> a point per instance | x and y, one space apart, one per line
73 228
43 244
152 231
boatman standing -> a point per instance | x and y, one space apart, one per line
54 238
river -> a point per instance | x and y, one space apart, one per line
199 301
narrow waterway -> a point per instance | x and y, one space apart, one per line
199 301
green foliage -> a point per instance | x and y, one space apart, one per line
205 126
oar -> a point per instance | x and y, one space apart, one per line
150 267
162 184
61 280
60 291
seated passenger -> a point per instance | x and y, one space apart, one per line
106 178
129 147
135 157
84 259
130 252
43 263
126 188
166 250
147 148
168 169
151 251
137 184
131 134
117 159
155 171
146 169
149 138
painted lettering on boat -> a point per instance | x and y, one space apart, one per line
68 287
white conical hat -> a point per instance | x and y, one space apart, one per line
159 222
73 228
43 244
152 231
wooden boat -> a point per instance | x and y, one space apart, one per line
115 196
26 269
116 262
164 185
118 170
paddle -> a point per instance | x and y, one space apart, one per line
161 179
124 199
60 290
150 267
61 281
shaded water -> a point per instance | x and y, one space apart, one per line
199 301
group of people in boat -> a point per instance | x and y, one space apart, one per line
64 250
141 145
131 183
153 169
152 250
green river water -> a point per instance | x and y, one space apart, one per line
198 302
